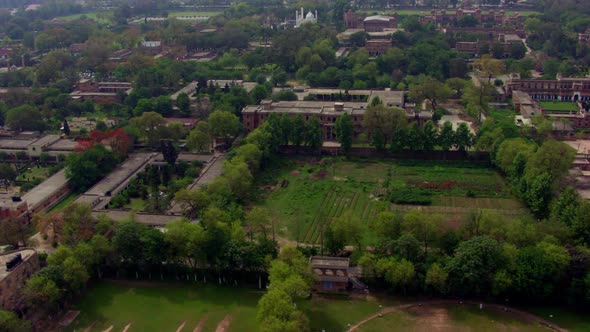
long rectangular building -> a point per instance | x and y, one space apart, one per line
561 89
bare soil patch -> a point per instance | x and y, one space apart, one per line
109 329
181 326
68 318
201 324
223 326
295 173
127 327
321 174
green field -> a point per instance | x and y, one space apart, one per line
307 195
165 306
450 318
90 16
158 306
427 11
65 202
175 14
35 173
552 106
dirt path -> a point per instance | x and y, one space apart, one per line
109 329
201 324
181 326
528 317
127 327
223 326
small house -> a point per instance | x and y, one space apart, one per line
331 273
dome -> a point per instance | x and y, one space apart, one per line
309 16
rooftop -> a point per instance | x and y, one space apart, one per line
120 174
45 189
330 262
26 254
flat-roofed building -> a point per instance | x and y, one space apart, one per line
561 89
377 47
378 23
331 273
100 92
16 267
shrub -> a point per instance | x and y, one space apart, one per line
411 196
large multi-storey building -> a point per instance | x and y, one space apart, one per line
328 109
100 92
492 17
561 89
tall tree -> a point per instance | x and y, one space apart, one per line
313 134
345 131
430 89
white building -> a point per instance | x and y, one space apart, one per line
309 18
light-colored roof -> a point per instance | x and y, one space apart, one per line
25 253
45 189
378 18
330 262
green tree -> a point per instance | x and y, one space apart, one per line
192 202
472 267
436 278
183 103
345 131
85 168
9 322
430 136
198 140
431 90
313 134
25 117
42 292
446 137
463 137
224 125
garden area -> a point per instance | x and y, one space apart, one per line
559 107
305 195
154 188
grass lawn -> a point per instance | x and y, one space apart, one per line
439 318
572 321
35 173
65 202
90 16
175 14
417 12
552 106
306 195
164 307
136 204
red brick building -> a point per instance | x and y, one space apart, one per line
16 267
100 92
377 46
562 89
331 273
491 17
328 111
379 23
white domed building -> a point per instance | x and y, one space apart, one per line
300 19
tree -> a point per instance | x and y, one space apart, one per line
297 134
313 134
382 123
183 103
224 125
430 135
150 125
430 89
168 151
66 127
463 137
277 313
251 155
446 138
83 169
199 139
25 117
473 266
553 157
345 131
42 291
192 202
13 232
9 322
239 178
259 222
7 173
436 278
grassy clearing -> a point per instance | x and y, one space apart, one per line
136 204
175 14
34 173
552 106
459 318
417 12
89 16
309 194
64 202
574 322
163 307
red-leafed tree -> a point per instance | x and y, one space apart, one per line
117 140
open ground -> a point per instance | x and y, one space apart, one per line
153 306
552 106
307 194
